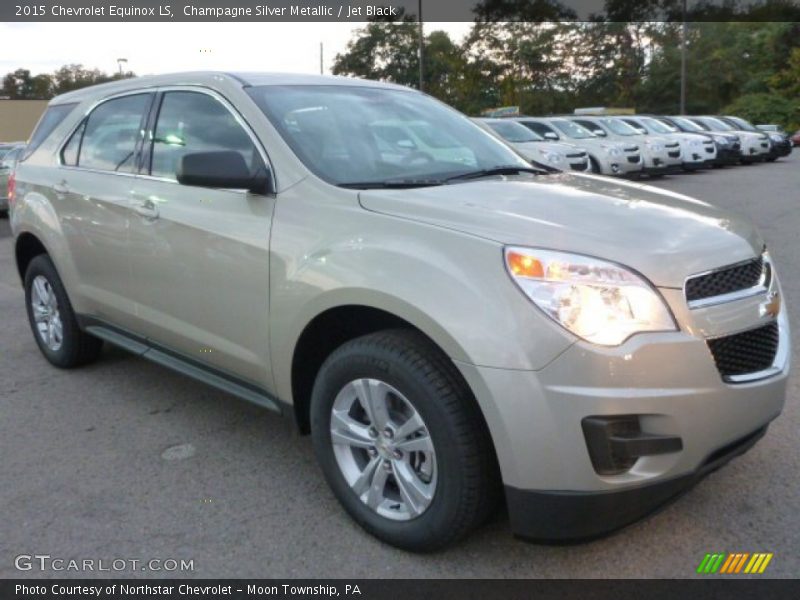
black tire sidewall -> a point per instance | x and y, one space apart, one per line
422 532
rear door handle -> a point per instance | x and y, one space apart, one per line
147 209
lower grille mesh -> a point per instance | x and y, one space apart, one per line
747 352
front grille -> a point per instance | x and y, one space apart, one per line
710 150
577 155
579 166
633 158
632 149
672 145
726 280
737 145
747 352
675 154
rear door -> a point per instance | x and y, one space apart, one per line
93 190
200 256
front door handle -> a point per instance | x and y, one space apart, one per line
147 209
61 188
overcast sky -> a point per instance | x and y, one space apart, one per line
165 47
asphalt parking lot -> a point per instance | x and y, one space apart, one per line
89 466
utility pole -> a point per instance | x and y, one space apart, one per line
683 60
421 48
320 59
119 63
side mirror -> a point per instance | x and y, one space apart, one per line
222 169
550 135
599 132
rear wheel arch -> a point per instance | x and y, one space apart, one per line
27 247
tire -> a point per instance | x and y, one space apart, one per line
463 480
43 288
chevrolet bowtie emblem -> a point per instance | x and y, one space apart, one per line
771 306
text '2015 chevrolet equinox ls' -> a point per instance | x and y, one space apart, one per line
447 322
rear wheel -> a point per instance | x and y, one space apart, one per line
52 319
402 442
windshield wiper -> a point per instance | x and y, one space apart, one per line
499 170
390 184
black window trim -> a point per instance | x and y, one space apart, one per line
155 108
87 113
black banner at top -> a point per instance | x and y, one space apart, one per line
368 10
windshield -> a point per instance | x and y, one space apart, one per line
362 135
514 132
618 127
687 124
655 126
742 124
715 124
572 130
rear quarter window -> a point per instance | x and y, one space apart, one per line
51 118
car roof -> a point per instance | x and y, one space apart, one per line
244 79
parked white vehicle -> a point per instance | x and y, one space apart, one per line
551 155
697 150
659 154
755 146
607 158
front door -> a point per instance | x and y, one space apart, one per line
200 256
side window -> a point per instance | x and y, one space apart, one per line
109 135
191 122
50 120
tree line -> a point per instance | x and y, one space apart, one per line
746 68
22 85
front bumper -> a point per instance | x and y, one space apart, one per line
668 380
728 156
582 516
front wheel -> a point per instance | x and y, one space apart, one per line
401 441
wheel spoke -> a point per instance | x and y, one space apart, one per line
41 290
39 313
375 495
348 431
415 494
57 330
364 480
418 444
411 425
52 301
372 394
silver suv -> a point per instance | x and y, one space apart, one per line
451 325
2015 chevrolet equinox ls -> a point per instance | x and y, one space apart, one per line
448 326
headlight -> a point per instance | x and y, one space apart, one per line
612 150
601 302
553 157
776 138
654 146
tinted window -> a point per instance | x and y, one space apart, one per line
574 130
69 155
49 121
111 133
191 122
514 132
539 128
365 136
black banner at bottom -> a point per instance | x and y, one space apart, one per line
398 589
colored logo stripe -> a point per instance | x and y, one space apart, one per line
722 562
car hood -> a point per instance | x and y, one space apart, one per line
663 235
